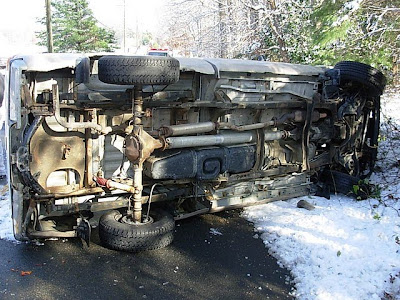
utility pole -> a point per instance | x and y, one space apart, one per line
49 29
124 28
137 33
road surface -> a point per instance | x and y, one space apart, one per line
212 257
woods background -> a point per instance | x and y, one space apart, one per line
297 31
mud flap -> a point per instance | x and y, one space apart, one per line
84 231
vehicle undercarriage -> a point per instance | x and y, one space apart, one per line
150 140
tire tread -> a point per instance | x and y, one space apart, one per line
126 237
127 70
362 73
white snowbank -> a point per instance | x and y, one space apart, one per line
344 249
6 231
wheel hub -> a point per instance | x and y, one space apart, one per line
129 220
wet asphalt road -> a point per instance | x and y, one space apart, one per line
197 265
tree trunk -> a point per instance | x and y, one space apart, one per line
273 22
223 45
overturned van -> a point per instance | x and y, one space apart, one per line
149 140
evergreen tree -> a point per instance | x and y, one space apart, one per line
76 30
364 30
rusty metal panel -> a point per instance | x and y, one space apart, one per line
52 151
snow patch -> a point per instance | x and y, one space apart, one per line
6 228
348 9
340 250
215 231
353 5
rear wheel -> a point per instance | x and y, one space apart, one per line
346 184
118 233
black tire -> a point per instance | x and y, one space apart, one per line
135 70
361 73
344 183
118 235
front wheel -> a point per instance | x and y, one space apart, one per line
118 233
372 79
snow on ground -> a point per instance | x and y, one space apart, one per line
343 249
6 231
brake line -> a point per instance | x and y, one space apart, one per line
149 202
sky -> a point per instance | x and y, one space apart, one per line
142 14
19 22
